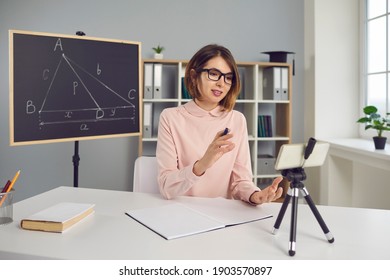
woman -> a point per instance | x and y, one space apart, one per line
196 154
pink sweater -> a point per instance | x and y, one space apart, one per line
184 134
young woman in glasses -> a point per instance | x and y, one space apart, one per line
202 147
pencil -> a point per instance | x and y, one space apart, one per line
13 181
10 187
6 186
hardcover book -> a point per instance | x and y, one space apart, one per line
57 218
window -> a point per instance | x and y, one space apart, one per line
377 54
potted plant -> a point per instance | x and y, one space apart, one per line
375 121
158 51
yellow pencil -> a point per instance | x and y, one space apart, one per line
10 186
13 181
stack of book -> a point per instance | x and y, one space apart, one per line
265 126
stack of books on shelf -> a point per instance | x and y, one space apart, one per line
265 126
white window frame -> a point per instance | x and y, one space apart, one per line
364 64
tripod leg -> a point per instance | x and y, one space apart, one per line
293 227
317 214
282 211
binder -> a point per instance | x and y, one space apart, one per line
269 131
148 120
272 83
184 92
157 75
148 77
260 129
284 83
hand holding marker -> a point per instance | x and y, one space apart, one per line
226 131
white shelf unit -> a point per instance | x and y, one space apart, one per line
250 102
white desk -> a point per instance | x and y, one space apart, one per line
110 234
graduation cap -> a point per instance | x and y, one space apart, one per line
281 56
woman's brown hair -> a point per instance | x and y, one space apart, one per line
199 60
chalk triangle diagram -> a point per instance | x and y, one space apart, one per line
75 95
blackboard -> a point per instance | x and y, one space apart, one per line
68 88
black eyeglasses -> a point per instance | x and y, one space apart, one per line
215 75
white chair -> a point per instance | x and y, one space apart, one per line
145 175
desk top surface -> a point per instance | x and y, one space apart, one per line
110 234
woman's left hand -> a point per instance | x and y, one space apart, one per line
268 194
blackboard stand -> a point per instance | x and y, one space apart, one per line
76 157
76 160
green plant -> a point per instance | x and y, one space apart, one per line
158 49
374 120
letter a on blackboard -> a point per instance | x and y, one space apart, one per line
59 44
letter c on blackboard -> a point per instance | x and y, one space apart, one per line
131 94
45 74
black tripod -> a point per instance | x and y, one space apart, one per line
295 176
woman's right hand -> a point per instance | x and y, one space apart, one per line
217 148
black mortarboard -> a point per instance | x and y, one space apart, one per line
281 56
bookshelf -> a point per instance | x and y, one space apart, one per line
251 103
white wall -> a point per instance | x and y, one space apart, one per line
332 61
331 74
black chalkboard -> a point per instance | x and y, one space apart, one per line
67 88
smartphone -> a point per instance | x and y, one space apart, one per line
292 156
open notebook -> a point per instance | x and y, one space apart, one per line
187 216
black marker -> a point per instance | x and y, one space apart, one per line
226 131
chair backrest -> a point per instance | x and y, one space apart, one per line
145 175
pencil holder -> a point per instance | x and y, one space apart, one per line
6 207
